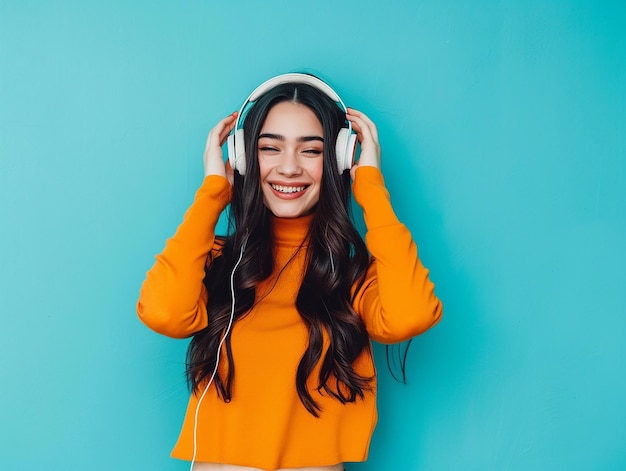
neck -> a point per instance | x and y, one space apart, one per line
291 231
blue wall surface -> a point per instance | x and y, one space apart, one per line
503 128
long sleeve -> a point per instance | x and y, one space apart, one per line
172 300
397 300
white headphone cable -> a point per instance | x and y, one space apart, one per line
219 350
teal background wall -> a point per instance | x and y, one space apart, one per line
503 128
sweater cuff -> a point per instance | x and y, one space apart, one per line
217 188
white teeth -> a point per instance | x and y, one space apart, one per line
287 189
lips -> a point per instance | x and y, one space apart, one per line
287 188
288 192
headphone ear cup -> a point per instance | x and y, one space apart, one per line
344 148
237 151
231 150
340 149
350 151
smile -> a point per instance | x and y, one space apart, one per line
287 189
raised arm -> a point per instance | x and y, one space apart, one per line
173 298
397 300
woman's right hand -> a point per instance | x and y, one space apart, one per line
213 159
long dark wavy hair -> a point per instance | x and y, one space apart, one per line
324 297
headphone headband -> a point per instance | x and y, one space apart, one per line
346 140
294 78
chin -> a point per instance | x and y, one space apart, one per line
289 209
280 211
289 214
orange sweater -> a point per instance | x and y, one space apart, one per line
265 425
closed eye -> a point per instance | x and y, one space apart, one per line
313 151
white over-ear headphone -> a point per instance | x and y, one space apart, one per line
346 139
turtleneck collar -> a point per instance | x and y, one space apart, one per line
291 231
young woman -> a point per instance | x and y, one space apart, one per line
283 308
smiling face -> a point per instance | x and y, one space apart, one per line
291 159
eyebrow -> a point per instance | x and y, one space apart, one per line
282 138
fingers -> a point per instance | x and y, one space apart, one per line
362 124
367 135
228 124
218 135
213 159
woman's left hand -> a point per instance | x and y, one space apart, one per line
367 134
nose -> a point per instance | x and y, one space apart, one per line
289 164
